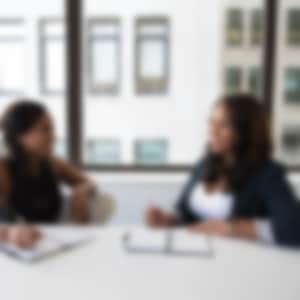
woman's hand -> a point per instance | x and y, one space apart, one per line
156 217
219 228
80 202
237 228
20 236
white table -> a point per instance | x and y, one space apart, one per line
103 270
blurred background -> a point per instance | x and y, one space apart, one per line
130 84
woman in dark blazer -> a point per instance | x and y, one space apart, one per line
237 189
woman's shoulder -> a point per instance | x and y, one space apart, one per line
268 170
272 167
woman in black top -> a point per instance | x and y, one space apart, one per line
30 175
237 164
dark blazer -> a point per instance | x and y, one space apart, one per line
266 195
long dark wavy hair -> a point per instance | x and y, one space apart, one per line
250 122
17 120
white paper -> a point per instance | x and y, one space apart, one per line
185 242
47 246
147 240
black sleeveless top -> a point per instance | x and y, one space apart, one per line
36 198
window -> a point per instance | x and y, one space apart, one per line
52 57
294 27
151 152
292 85
257 27
103 152
255 81
12 57
235 27
104 55
233 79
152 55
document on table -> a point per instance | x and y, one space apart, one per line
50 244
165 241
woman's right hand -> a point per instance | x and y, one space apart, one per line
156 217
22 236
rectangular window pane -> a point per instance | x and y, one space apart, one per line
104 56
153 152
233 79
294 27
152 46
292 85
52 56
257 27
103 152
12 57
235 27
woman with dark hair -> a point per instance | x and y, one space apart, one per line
30 175
236 189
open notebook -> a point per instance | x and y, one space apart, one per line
174 241
50 244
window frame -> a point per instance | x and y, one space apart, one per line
288 30
74 66
103 140
140 141
165 39
228 28
43 40
116 89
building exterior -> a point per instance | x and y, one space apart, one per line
151 72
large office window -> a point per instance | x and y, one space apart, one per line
292 85
293 30
152 55
12 57
151 152
233 79
235 27
257 28
52 59
104 55
103 152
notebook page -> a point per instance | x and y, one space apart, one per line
147 240
185 242
49 244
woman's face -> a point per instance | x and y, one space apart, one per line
40 138
221 135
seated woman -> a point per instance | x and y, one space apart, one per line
30 175
236 189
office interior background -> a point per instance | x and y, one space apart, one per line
145 76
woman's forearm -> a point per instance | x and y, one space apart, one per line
244 229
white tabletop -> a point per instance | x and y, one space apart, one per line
103 270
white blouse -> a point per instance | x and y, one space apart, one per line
219 206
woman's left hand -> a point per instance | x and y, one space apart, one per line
80 203
219 228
